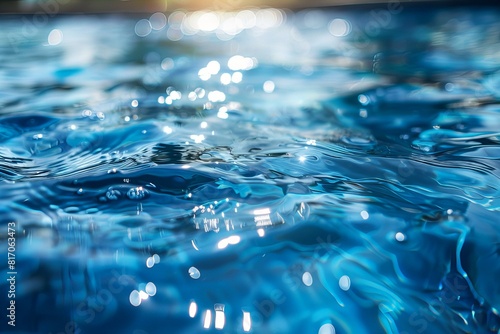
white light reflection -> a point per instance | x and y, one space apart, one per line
222 244
216 96
167 64
200 92
225 78
55 37
237 63
231 26
208 319
194 273
345 282
268 86
307 279
363 99
339 27
198 139
247 321
143 28
237 77
261 232
193 308
225 25
175 19
311 142
204 74
232 240
150 289
400 237
268 18
208 21
246 19
222 113
264 211
326 329
213 67
158 21
220 318
174 34
143 295
262 217
156 258
364 214
135 298
175 95
168 130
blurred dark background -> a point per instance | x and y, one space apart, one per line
75 6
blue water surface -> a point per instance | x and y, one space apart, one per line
263 171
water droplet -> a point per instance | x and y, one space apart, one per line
113 194
87 113
137 193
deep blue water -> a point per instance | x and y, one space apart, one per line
323 171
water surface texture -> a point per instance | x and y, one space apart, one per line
263 171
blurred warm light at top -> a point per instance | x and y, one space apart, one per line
225 24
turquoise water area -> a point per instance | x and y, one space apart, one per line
263 171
